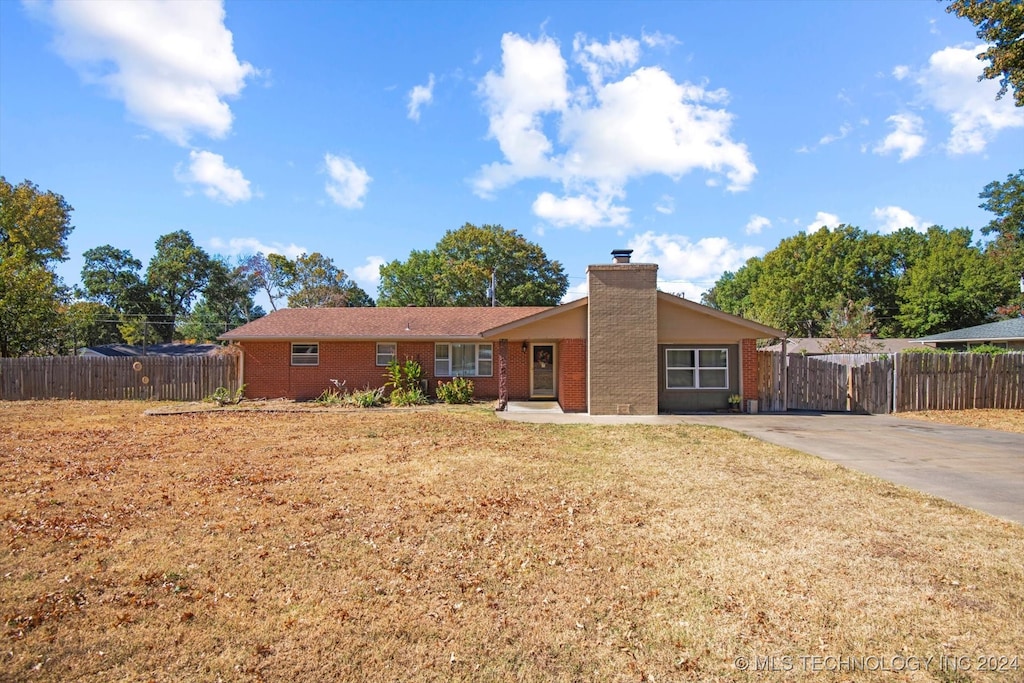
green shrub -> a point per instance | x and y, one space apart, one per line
404 382
407 397
459 390
222 396
990 349
330 397
367 398
924 349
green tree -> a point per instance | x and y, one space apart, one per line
458 271
88 323
227 302
1006 201
731 293
177 273
270 274
111 276
38 222
413 282
30 297
1000 24
315 282
952 286
34 227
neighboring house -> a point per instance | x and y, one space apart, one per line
1008 334
816 346
130 351
625 349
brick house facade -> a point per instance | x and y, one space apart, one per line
626 348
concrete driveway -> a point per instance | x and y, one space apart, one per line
979 468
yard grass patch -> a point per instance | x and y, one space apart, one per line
1001 420
449 545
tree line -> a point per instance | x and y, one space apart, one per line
845 281
185 293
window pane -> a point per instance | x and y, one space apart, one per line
305 354
442 366
385 353
485 352
679 358
713 379
680 379
485 369
714 358
464 359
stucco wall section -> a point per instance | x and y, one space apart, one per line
623 342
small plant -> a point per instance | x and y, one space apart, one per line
404 380
333 397
459 390
735 400
367 398
990 349
330 397
407 397
223 396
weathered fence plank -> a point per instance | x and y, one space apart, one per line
167 378
876 383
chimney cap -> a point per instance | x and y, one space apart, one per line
621 255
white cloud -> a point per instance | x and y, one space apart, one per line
420 96
348 184
603 60
666 205
580 211
906 137
607 133
824 220
368 274
658 39
686 267
172 63
950 84
900 72
756 224
828 139
250 245
220 182
893 218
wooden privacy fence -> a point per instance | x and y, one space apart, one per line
161 378
863 383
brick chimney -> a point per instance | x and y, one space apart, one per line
622 344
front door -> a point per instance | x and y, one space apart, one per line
542 371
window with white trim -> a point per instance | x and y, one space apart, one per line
463 360
386 352
305 354
697 368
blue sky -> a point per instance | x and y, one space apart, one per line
697 133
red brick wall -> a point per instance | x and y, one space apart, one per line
270 374
572 375
748 360
518 371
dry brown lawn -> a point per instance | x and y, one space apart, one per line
446 545
1002 420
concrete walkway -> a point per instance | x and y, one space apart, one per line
979 468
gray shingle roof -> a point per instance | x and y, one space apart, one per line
999 331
